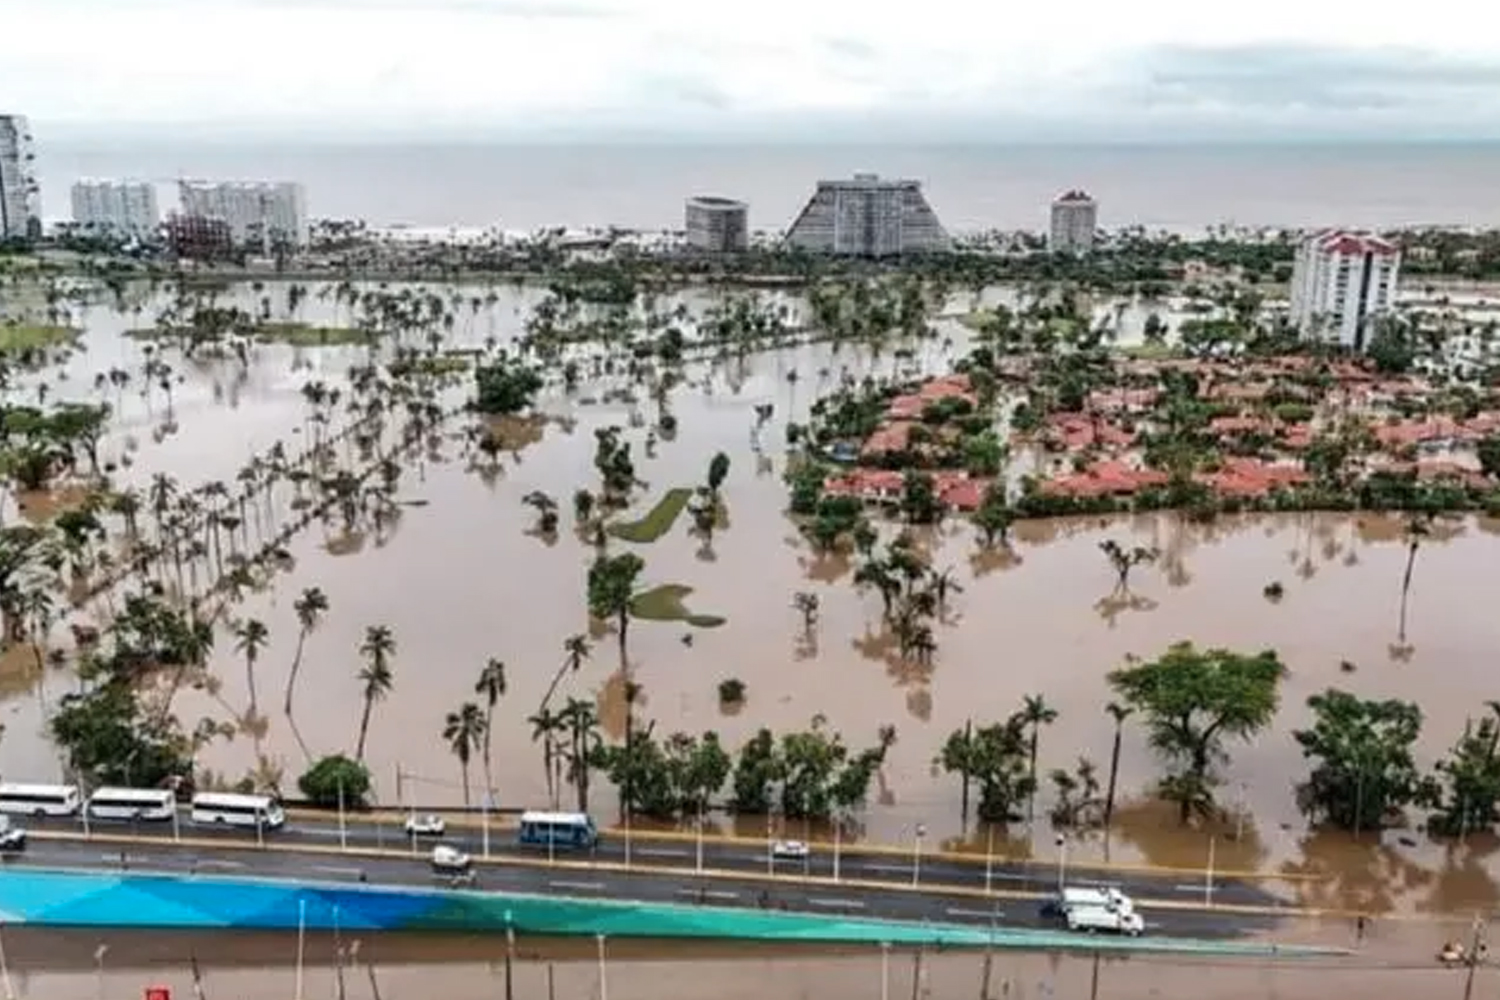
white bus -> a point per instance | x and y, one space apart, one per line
132 803
222 809
39 800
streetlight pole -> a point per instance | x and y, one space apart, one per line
343 824
603 970
989 859
885 970
699 858
1208 875
1062 862
838 836
916 855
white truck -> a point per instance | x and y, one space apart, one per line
1092 919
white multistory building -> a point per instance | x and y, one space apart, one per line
717 225
20 201
117 208
1075 219
1341 281
263 214
868 216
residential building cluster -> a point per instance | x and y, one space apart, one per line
260 214
116 208
1075 220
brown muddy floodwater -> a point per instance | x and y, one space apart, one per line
1395 962
461 578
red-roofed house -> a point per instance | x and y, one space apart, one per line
1104 479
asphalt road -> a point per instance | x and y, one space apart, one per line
653 886
657 852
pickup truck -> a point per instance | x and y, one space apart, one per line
1092 919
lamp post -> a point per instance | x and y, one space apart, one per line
916 855
838 835
989 859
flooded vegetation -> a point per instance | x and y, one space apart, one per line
503 542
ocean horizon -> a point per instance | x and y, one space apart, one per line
526 186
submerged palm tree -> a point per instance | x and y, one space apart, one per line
576 649
250 637
310 608
492 685
376 676
464 730
1416 528
1036 713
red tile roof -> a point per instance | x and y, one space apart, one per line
1103 479
1341 241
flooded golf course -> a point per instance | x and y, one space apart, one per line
461 575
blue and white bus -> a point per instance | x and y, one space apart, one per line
567 830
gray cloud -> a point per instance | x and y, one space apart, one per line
848 48
681 90
1274 77
529 9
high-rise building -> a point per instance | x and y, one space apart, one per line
20 200
120 208
717 225
867 217
1341 280
196 237
265 214
1075 219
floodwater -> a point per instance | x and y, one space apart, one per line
461 577
1393 962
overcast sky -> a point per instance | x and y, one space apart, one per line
937 69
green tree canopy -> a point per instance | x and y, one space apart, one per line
1363 769
1192 701
1470 776
333 776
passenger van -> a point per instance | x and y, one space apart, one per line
154 804
39 800
557 830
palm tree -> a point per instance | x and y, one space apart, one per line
38 614
377 649
576 649
464 730
545 725
581 721
250 637
492 685
1119 713
1416 528
1036 713
310 608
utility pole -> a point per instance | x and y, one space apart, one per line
1474 945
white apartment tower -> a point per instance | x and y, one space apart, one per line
1341 280
867 217
265 214
1075 219
20 202
115 208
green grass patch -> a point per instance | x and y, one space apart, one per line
1148 351
658 520
664 604
15 339
306 335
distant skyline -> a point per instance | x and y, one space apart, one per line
941 71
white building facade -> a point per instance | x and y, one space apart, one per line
717 225
868 217
20 200
117 208
262 214
1341 281
1075 219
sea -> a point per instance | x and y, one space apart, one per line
1176 187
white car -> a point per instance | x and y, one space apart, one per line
425 826
789 850
450 860
12 837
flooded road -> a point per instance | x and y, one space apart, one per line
462 577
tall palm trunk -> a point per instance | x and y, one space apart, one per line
250 682
364 729
291 678
1109 794
489 778
463 767
1031 794
1411 561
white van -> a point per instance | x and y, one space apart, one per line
154 804
39 800
1101 918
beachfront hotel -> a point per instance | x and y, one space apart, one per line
717 225
1075 219
117 208
260 213
867 216
20 201
1341 280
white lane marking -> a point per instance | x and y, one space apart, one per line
886 868
708 893
958 911
659 852
589 886
850 904
335 870
210 863
1189 888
